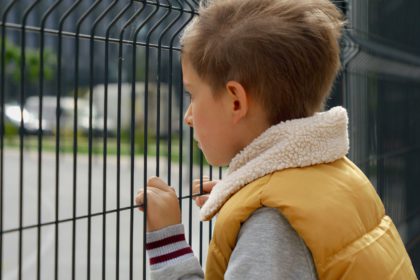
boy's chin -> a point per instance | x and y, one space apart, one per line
215 162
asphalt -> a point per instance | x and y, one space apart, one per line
29 251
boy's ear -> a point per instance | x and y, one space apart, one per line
238 99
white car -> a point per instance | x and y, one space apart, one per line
13 115
49 114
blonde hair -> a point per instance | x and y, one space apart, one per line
284 52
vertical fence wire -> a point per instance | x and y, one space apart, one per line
170 94
148 38
40 128
58 130
132 138
22 127
181 114
90 141
120 61
2 124
91 81
159 74
136 33
169 108
191 171
75 136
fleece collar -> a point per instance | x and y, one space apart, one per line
321 138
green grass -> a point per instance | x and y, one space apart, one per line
66 145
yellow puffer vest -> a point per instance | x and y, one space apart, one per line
334 209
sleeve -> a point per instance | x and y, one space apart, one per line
170 256
268 245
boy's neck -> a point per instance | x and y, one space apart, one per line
251 127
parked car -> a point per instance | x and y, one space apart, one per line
13 115
49 114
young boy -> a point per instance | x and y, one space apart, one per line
291 206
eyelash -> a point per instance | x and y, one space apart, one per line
188 95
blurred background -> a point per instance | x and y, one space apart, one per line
92 104
380 87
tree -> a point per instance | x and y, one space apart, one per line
32 62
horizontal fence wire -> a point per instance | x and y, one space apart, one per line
130 51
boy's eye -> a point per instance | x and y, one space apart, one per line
188 95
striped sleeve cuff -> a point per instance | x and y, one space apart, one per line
167 246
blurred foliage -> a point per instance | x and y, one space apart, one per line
13 60
10 130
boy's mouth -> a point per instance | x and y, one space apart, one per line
198 143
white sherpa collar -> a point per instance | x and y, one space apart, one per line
321 138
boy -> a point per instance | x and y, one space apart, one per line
291 206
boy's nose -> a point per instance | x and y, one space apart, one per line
188 116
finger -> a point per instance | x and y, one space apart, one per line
199 201
207 187
197 184
139 195
158 183
197 181
139 200
150 189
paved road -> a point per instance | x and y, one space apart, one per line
30 215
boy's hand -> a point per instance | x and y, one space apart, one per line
162 204
207 187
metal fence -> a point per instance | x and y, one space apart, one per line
380 87
92 105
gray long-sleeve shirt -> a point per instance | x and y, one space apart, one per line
267 248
